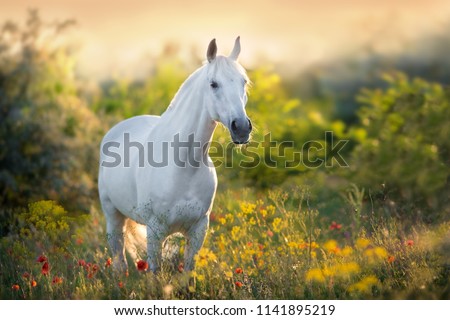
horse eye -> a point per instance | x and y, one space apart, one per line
214 85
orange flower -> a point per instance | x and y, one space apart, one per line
239 270
108 262
142 265
120 284
41 258
335 226
79 241
57 280
238 284
269 233
33 283
410 243
15 287
45 268
391 259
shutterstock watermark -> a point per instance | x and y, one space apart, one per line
191 153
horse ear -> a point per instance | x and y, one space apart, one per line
236 50
212 50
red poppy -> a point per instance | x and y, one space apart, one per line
95 268
249 244
45 268
81 263
15 287
260 246
142 265
410 243
120 284
41 258
108 262
391 259
239 270
33 283
335 226
79 241
181 267
238 284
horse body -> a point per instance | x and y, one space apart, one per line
153 187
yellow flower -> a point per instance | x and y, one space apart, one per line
252 221
365 285
380 252
315 275
277 224
236 233
229 217
247 207
347 269
346 251
228 274
362 243
204 256
331 246
222 221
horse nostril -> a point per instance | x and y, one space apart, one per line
233 125
250 127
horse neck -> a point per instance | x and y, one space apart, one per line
188 114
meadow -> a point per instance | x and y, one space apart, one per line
376 228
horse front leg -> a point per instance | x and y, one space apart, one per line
156 235
194 241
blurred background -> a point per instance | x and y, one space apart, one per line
375 73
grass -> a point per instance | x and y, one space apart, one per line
268 246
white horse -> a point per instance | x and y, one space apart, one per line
173 191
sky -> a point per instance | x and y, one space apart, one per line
118 36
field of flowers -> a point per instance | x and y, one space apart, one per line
273 247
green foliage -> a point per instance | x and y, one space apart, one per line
404 146
47 133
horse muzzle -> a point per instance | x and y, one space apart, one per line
240 130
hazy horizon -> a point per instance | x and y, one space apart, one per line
121 37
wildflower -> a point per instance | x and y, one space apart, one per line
335 226
331 246
25 275
228 274
238 284
200 277
204 256
79 241
316 275
380 252
365 284
247 207
81 263
95 268
57 280
409 243
180 267
362 243
45 268
33 283
269 233
346 251
235 233
222 221
15 287
120 284
142 265
347 269
391 259
277 224
108 262
238 270
41 258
